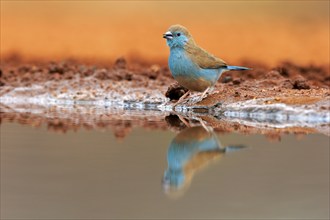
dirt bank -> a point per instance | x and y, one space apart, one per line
287 82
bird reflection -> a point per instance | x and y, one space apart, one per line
192 149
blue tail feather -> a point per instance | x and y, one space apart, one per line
234 148
237 68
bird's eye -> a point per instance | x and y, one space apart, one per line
178 34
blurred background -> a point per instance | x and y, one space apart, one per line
236 31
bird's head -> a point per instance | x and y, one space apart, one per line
177 36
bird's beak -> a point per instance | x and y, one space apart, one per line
168 35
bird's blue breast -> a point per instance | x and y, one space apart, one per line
188 73
180 64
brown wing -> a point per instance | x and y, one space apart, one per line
204 59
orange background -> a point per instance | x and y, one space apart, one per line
265 31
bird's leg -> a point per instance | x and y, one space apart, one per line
209 90
184 121
182 98
204 94
207 128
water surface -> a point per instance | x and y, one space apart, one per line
161 174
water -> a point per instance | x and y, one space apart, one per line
161 173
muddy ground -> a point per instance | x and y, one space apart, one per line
288 82
73 80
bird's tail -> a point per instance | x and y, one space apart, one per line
233 148
237 68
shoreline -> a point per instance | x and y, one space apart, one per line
287 96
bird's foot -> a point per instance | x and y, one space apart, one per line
205 93
202 97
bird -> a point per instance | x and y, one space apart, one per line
191 66
191 149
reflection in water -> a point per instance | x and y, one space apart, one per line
45 175
192 149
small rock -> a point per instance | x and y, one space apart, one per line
101 74
120 63
273 74
26 77
55 76
175 91
287 84
300 84
128 76
283 71
53 68
155 68
237 81
237 94
227 79
153 77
